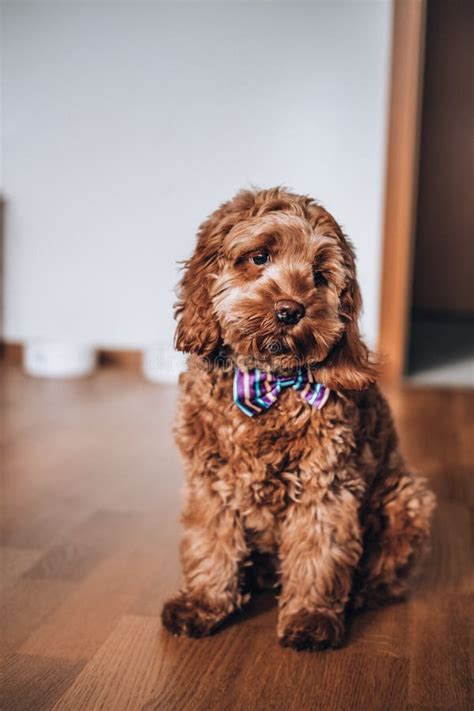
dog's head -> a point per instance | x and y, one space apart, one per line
273 279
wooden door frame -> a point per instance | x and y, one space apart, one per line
401 182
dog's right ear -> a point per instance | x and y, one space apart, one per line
198 329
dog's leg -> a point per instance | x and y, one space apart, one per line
320 547
397 531
212 550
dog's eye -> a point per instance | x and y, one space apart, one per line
260 258
319 279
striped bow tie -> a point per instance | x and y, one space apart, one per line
255 391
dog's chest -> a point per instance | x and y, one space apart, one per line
262 465
287 456
275 455
284 432
263 461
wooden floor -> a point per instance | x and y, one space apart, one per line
90 549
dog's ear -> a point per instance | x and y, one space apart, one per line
198 329
349 365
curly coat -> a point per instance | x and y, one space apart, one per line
320 498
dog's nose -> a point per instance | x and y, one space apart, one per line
289 311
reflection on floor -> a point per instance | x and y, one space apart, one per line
441 352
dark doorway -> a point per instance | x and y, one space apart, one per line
441 334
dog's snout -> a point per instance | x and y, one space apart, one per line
288 311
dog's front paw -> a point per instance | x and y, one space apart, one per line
313 631
185 615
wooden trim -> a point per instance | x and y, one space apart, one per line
12 353
128 359
401 181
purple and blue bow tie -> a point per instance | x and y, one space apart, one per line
255 390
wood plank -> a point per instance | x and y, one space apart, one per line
120 676
14 562
234 674
25 605
441 652
238 675
381 632
86 546
89 614
34 683
450 566
353 682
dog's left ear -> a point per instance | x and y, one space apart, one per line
350 365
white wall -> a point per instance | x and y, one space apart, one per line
126 123
1 115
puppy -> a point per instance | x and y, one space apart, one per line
292 459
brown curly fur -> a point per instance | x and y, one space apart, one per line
323 495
